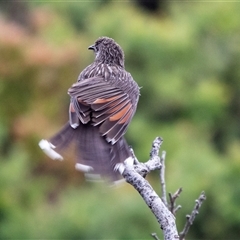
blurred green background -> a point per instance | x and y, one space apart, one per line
186 58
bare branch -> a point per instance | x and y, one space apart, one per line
155 147
135 172
134 175
152 164
154 235
178 207
171 205
173 198
162 179
135 160
191 217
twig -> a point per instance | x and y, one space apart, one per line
152 164
171 205
135 160
191 217
178 207
154 235
173 198
155 147
134 175
162 179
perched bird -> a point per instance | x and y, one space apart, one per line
103 102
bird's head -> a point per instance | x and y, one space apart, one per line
108 51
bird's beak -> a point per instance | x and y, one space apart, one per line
92 47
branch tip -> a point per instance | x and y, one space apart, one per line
191 217
156 146
154 235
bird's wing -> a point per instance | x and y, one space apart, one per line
106 105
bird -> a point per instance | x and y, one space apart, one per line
103 102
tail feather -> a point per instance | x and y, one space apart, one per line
63 138
92 149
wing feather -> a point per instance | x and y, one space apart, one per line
103 104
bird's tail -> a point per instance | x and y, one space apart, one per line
94 155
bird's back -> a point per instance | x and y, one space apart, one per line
115 75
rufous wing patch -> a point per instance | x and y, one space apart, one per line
120 113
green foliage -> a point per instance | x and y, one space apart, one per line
187 63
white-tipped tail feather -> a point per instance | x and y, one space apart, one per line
47 148
83 168
74 125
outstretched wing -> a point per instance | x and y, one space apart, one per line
103 104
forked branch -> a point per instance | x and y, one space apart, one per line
134 175
191 217
164 212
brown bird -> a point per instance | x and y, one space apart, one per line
103 102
